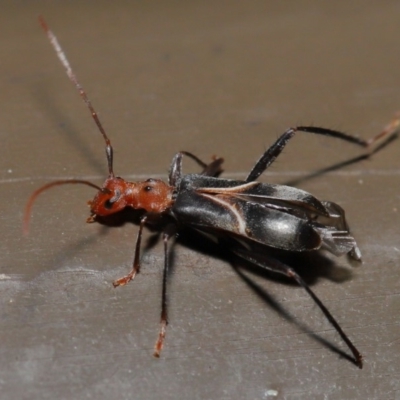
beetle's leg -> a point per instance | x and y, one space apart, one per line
164 312
274 265
273 152
136 260
175 171
214 168
387 131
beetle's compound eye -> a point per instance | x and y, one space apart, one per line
108 204
148 188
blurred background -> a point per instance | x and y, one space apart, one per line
213 78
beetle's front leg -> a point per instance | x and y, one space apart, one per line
136 260
175 171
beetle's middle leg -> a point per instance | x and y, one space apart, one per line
171 229
175 171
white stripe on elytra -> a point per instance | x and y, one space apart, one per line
238 188
241 222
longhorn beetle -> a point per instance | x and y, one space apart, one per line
242 215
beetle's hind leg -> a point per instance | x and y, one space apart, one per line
276 149
271 264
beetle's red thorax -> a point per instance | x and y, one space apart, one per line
153 195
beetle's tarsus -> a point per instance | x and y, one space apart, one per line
160 341
124 280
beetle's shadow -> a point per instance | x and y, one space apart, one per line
341 164
309 265
58 261
67 129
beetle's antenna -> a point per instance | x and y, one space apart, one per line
35 194
64 61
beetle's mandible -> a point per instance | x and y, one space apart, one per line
241 214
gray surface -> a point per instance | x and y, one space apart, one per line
220 79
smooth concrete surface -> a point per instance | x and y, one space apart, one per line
214 78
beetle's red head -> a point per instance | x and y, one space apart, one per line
112 197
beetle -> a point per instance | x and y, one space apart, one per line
243 215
